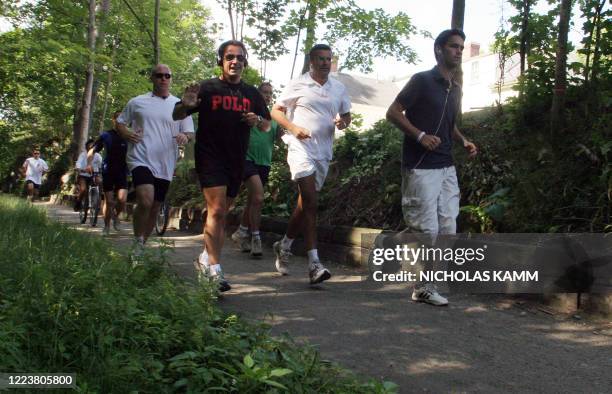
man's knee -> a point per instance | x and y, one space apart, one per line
257 200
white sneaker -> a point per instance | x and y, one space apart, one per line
256 247
106 231
201 265
428 293
243 240
137 254
282 258
318 273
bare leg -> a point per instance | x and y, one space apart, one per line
144 205
121 200
214 228
254 203
304 216
109 206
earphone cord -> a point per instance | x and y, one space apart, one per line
450 83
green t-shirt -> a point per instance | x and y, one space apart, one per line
261 144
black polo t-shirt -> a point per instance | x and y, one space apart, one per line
222 138
424 98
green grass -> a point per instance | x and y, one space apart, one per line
70 303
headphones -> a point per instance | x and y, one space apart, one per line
222 47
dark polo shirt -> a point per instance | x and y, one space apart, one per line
423 97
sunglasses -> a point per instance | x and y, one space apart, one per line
231 57
162 75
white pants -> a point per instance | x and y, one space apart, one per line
430 200
302 166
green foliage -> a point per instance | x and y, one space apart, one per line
43 61
70 303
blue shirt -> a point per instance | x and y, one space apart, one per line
115 148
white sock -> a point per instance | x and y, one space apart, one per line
286 242
255 234
203 258
243 230
215 269
313 256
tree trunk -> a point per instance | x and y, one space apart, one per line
458 14
231 17
457 23
76 126
558 102
91 44
526 9
297 41
310 33
597 47
104 10
109 78
156 33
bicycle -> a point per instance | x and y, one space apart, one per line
163 217
91 207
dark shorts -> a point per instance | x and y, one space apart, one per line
36 185
250 169
220 177
143 176
86 179
114 181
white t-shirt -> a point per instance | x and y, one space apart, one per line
35 169
152 116
81 163
314 107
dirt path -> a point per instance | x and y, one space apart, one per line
476 344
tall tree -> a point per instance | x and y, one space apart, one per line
457 23
524 7
458 14
83 119
156 33
558 102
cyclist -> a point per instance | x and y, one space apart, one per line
114 173
86 175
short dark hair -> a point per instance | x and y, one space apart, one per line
318 47
116 114
222 47
261 85
443 38
89 141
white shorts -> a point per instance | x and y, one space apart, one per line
302 166
430 200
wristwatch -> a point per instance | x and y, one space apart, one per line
259 119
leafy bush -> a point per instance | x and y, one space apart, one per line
70 303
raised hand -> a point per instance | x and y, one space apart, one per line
190 97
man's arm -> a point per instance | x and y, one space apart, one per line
395 115
189 101
278 114
128 135
470 146
343 121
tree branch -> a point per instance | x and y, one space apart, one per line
140 21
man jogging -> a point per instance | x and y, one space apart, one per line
425 111
228 108
34 167
152 149
310 109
